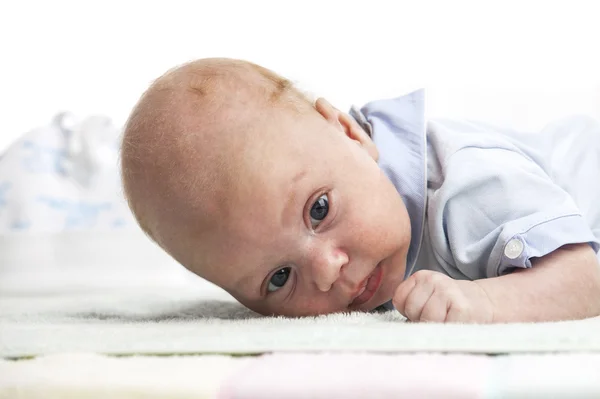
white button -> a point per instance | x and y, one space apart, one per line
513 249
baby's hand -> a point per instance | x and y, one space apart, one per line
434 297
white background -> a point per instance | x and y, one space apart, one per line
519 63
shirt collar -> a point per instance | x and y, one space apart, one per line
397 126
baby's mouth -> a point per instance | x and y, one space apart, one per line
369 287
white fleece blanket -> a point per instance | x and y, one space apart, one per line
180 320
69 311
117 294
345 355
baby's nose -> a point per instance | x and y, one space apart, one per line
327 266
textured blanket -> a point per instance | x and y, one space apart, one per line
90 327
344 355
178 320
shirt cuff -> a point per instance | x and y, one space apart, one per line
515 248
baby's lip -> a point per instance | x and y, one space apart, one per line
368 287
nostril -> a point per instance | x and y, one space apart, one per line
343 268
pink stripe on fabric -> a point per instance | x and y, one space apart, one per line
356 375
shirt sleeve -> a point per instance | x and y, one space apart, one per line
496 209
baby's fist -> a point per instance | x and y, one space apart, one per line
434 297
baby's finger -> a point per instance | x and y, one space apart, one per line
458 311
416 300
402 292
436 308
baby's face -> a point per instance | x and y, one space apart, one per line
313 227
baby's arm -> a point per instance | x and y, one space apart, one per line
564 284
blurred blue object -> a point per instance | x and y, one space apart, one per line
63 177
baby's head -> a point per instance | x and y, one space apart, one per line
251 186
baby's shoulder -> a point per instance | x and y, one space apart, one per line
445 136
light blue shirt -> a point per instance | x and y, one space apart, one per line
484 200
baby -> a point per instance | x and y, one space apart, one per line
296 208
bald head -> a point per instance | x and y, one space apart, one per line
185 141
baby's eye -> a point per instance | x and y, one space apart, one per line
319 210
278 279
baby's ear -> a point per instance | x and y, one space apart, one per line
328 111
348 125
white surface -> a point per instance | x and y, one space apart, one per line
94 376
515 62
80 261
119 293
185 320
322 375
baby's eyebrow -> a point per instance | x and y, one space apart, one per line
299 176
291 191
291 196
